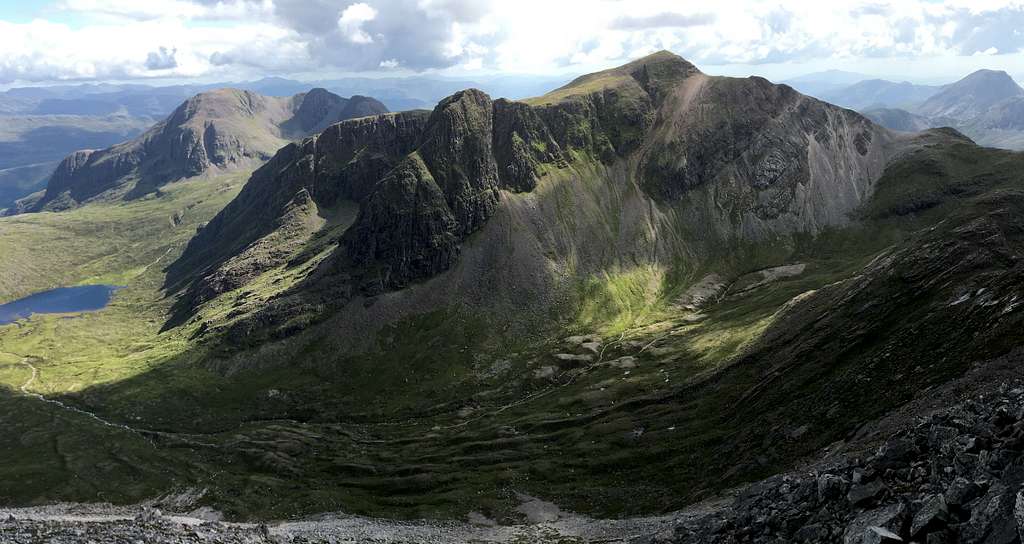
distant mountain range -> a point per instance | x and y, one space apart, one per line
874 93
987 105
397 93
817 83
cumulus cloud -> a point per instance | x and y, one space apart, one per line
352 19
416 34
225 38
161 59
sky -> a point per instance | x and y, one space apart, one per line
46 42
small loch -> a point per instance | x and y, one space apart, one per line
63 300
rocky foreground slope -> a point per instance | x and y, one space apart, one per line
220 129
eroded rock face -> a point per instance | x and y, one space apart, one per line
407 227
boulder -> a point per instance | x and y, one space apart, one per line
627 362
570 359
932 515
148 516
961 492
591 347
831 487
866 492
992 518
877 526
896 453
812 533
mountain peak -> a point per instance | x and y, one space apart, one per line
219 103
988 73
972 95
658 57
654 74
991 82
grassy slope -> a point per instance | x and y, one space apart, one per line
58 454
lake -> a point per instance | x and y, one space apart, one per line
84 298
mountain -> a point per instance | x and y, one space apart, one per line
422 183
43 124
818 83
897 119
397 93
879 93
972 96
220 129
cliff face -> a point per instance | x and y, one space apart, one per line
713 161
221 129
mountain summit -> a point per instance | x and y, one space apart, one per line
216 130
972 96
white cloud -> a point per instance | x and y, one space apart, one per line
223 38
352 19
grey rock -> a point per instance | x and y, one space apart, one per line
961 492
866 492
896 453
149 515
933 514
831 487
571 359
992 518
876 526
814 532
591 347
